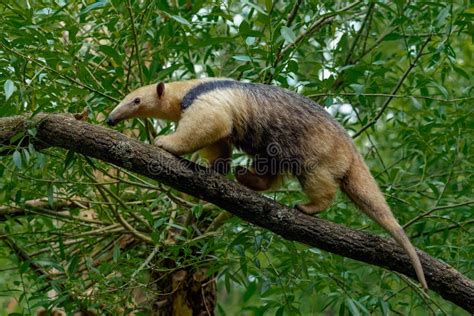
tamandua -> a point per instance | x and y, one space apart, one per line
284 132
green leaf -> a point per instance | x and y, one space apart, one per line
69 160
242 58
197 210
147 214
94 6
461 72
49 263
252 287
358 88
392 37
415 103
9 88
51 195
111 52
329 101
73 264
16 137
26 155
158 223
293 66
155 236
244 28
287 34
227 281
342 309
180 19
269 5
116 253
352 307
17 159
433 188
250 40
383 306
279 311
443 14
441 89
32 131
61 248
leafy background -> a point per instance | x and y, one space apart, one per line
396 74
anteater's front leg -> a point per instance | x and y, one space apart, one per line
218 155
201 125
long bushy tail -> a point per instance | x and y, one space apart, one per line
362 189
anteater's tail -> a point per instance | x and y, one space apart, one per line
362 189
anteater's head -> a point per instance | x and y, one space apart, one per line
148 101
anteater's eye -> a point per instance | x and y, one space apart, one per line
136 101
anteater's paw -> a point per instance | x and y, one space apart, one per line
308 208
169 144
159 142
163 142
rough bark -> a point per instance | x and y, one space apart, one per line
113 147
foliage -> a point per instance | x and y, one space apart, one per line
398 75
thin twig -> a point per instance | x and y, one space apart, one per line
394 90
439 230
59 74
125 206
218 221
145 263
204 301
316 25
278 55
317 95
434 209
323 20
24 256
377 153
359 33
424 296
293 12
122 220
149 130
135 40
376 43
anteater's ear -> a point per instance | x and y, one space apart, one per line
160 89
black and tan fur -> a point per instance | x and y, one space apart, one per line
284 133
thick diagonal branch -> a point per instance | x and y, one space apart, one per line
113 147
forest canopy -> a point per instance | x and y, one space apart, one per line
81 234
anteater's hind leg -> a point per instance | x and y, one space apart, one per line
320 187
254 180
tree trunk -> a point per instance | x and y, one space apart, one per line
187 293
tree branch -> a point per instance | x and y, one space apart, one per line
64 131
394 90
73 80
316 25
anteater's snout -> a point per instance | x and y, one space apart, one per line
111 122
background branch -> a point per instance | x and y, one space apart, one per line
394 90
